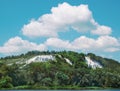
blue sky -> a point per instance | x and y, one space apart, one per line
78 25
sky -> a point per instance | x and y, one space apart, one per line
72 25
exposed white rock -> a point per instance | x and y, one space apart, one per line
59 56
68 61
40 58
92 64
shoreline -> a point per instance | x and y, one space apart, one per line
58 88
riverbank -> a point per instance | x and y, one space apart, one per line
57 88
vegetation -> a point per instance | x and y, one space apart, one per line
58 74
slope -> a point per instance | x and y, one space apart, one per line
58 70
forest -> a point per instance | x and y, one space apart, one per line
58 74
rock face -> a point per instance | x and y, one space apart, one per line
68 61
44 58
40 58
92 64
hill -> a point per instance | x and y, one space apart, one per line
58 70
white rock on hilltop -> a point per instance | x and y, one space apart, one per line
92 64
68 61
40 58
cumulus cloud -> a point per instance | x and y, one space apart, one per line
18 45
102 30
62 18
58 43
102 43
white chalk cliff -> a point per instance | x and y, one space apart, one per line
92 64
41 58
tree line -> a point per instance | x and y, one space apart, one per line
58 73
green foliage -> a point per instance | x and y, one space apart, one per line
5 82
58 74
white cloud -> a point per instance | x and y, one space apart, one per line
83 43
62 18
112 49
58 43
36 29
16 45
102 30
102 43
107 41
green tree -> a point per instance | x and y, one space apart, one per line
6 82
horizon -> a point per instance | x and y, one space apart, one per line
87 26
